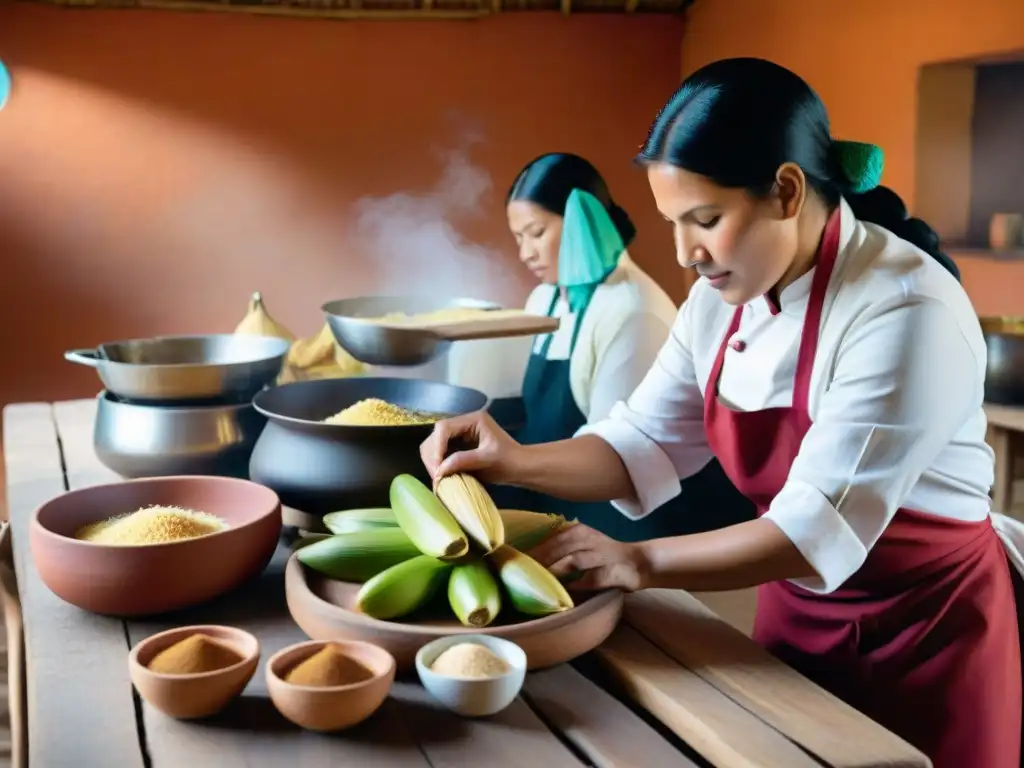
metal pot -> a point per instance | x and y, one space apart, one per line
320 468
377 344
152 441
186 369
1004 376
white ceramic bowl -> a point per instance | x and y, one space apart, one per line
473 697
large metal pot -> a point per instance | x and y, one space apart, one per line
1004 377
219 367
320 468
152 441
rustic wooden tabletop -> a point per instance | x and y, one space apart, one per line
676 686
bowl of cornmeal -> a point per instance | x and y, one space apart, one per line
149 546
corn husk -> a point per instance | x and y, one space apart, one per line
473 509
359 555
403 588
532 588
305 539
525 530
425 520
350 520
258 322
473 594
308 352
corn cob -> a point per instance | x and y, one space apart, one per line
532 588
359 520
402 588
473 594
425 520
525 530
359 555
473 509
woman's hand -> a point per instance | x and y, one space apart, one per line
480 447
605 562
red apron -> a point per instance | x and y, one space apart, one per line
924 637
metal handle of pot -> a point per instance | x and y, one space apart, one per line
83 357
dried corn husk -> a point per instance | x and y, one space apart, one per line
473 509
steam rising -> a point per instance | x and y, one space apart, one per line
414 246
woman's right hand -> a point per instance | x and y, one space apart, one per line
477 445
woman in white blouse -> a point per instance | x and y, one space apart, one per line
833 364
614 319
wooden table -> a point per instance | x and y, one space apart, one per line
684 682
1006 436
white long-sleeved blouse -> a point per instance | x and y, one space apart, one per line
895 399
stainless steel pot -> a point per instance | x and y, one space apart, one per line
151 441
186 369
320 468
376 344
1004 376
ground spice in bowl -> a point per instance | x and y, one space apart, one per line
151 525
328 667
194 655
470 660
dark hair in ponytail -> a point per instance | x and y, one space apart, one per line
550 179
736 121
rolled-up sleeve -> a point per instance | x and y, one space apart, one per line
659 431
905 381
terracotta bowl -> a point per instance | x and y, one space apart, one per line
155 578
187 697
330 708
325 610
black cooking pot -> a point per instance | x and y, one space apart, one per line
320 468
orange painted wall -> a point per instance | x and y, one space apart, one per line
155 168
863 58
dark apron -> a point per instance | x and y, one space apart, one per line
708 500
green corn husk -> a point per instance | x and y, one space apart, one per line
532 588
358 556
473 594
425 520
402 588
305 539
350 520
525 530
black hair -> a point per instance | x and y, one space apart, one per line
736 121
550 179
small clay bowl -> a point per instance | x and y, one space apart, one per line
473 696
154 578
332 708
188 697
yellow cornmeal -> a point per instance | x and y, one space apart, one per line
151 525
469 660
374 412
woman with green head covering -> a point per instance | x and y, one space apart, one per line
614 319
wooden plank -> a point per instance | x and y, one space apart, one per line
684 629
78 693
713 724
408 731
15 652
597 725
1005 416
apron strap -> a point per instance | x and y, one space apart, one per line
575 330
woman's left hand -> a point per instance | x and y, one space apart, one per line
605 562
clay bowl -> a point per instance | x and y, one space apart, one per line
154 578
331 708
324 610
187 697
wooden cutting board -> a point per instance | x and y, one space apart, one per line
487 324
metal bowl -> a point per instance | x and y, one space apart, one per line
320 468
226 368
375 344
157 441
1004 376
